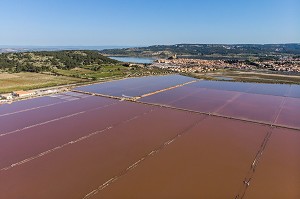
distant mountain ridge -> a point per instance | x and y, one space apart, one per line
8 48
206 49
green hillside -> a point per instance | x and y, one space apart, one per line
49 60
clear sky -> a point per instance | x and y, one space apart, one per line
147 22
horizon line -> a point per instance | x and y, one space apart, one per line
53 46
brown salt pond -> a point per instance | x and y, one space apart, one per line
170 96
20 120
256 88
278 174
196 99
258 102
253 107
72 145
6 109
206 100
211 160
31 142
78 169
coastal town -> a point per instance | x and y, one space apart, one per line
185 65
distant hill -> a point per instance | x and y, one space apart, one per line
47 60
8 49
207 50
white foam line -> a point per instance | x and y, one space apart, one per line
91 193
280 110
67 144
137 163
152 152
254 165
54 120
108 182
132 118
72 99
131 167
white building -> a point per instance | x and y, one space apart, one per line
23 93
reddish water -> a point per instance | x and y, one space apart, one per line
23 119
209 161
265 89
31 142
254 107
6 109
269 106
290 113
172 95
278 175
68 145
197 99
77 169
205 100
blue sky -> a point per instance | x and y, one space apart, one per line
148 22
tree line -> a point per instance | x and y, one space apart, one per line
47 60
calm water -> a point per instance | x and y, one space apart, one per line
135 87
139 60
